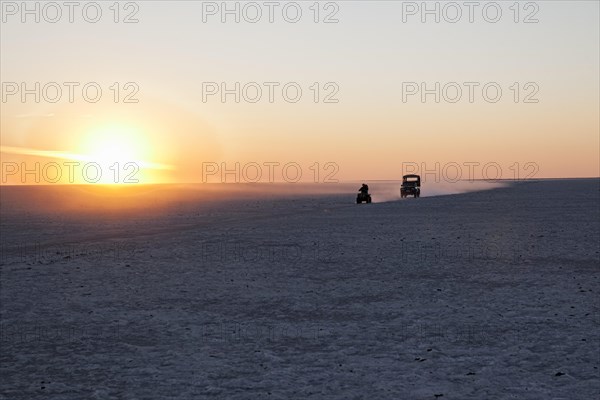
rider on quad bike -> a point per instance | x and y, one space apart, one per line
364 194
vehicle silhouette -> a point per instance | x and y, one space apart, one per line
411 186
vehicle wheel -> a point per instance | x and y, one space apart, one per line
357 201
368 201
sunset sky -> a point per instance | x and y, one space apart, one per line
368 57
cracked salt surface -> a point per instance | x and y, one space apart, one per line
483 295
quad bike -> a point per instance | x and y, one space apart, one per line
366 197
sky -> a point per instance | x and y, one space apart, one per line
373 89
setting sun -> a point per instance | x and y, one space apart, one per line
123 154
115 144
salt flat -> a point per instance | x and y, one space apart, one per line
482 295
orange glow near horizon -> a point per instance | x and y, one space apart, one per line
116 154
